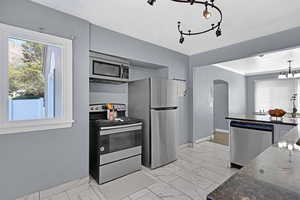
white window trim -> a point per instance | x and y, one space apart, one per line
66 121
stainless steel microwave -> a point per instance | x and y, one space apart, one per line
108 68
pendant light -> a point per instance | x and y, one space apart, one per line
290 73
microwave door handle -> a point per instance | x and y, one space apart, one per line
121 71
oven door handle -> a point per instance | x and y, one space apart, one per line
120 130
120 126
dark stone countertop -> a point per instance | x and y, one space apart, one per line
264 118
267 177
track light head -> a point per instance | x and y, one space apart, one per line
218 32
151 2
181 40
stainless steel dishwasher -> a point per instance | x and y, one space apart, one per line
248 140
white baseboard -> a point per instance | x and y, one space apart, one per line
182 146
204 139
221 130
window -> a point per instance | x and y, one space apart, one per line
275 93
36 81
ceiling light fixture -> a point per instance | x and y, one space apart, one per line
206 14
290 73
151 2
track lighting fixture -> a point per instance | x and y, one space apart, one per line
151 2
208 6
218 32
181 39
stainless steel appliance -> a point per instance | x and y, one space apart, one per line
248 140
115 145
155 101
104 68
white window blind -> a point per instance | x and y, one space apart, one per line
275 93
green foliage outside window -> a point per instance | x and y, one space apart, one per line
26 79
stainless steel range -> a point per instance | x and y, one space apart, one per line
115 145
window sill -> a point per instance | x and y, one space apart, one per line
40 125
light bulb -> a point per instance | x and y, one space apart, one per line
206 13
290 75
284 144
297 75
282 76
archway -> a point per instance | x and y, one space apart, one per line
220 111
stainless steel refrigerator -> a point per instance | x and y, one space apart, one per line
155 102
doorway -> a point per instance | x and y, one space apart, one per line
220 111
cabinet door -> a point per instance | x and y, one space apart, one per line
280 130
247 144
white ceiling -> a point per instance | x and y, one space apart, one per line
269 62
243 20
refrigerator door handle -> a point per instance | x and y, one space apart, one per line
165 108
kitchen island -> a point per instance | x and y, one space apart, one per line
264 119
268 176
281 126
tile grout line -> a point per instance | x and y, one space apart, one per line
99 197
154 193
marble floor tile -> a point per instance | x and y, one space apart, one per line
126 198
61 196
183 164
187 188
97 191
211 175
75 192
199 181
63 187
164 190
144 194
34 196
88 195
181 197
165 173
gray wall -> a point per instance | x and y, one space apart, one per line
108 93
138 73
250 83
220 108
38 160
203 84
113 43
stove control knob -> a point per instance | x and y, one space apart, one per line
102 149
